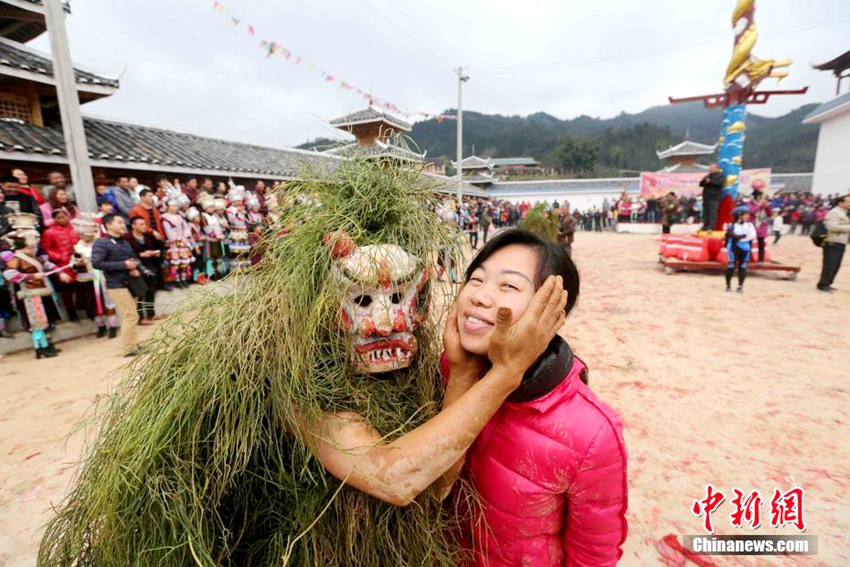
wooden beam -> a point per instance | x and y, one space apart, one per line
35 105
29 6
22 16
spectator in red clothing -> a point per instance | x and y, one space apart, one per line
58 243
146 210
56 200
25 186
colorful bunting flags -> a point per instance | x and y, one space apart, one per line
273 48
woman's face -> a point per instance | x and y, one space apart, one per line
505 279
172 208
62 196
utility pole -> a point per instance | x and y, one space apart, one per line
461 78
69 106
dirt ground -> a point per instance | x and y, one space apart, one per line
737 390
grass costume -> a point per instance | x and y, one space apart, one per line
200 459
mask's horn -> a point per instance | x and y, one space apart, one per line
340 243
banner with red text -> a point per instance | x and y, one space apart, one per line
655 185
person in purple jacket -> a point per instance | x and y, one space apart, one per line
761 213
549 467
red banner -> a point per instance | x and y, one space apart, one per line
655 185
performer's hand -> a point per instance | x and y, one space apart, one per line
64 278
515 347
38 276
461 361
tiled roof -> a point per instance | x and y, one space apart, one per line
506 162
836 65
368 115
17 22
379 149
834 106
443 184
474 162
126 145
16 56
687 148
791 182
682 168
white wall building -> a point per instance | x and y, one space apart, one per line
832 160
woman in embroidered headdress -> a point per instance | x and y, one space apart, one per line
237 219
178 234
28 274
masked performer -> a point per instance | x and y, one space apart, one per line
295 421
28 274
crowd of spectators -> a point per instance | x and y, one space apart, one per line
110 264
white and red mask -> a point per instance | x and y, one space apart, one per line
386 300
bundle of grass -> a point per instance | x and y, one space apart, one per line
200 459
541 223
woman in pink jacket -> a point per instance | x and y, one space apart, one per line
549 468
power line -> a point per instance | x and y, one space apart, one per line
653 52
426 32
416 41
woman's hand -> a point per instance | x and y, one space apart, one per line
514 348
64 278
461 361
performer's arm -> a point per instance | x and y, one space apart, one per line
460 370
398 471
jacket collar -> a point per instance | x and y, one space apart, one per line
552 369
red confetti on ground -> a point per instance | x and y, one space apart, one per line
670 541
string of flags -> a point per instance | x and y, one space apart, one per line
273 48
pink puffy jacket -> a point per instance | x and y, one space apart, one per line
551 478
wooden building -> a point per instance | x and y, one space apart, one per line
31 133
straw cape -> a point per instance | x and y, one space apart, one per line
200 459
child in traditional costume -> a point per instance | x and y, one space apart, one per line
199 246
255 217
28 274
178 235
213 238
295 421
237 219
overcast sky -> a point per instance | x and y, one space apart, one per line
184 66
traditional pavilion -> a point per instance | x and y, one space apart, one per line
31 132
682 158
515 165
832 168
477 171
840 67
374 131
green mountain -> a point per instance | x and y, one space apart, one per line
586 146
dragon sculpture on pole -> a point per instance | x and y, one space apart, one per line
743 75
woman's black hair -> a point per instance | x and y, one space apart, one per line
552 260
